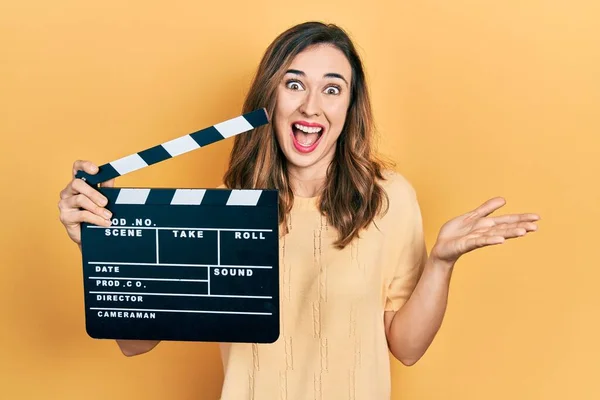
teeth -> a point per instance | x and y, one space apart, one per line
307 129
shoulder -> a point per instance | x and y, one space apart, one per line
402 200
397 187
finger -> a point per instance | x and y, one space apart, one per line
512 218
109 183
77 186
481 241
528 226
69 190
74 217
498 235
498 229
86 166
511 233
84 202
487 208
507 233
80 186
79 165
66 192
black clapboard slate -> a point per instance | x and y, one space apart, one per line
184 264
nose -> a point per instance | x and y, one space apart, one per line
311 105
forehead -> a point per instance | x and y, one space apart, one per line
317 60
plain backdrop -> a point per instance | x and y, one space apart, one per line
472 99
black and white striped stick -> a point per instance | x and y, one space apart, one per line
178 146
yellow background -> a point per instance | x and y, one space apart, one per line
473 99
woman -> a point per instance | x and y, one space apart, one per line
356 280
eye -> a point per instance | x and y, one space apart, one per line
332 90
293 85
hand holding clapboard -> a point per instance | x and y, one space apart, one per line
179 263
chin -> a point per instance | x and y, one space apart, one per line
300 161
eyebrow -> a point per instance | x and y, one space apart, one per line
328 75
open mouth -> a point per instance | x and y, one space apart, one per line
306 136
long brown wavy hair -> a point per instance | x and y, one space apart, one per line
352 196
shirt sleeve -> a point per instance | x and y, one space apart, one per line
407 247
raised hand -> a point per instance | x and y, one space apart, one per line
79 202
477 229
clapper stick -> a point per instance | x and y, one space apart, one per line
183 264
176 147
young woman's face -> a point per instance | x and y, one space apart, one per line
312 102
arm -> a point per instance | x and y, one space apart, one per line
79 202
136 347
412 328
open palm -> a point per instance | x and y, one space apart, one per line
477 229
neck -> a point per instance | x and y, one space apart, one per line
306 182
309 181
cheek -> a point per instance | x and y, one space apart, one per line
281 131
285 109
336 114
286 104
280 125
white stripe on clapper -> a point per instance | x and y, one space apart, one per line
241 197
180 145
188 196
233 126
132 196
128 164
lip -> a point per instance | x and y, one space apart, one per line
309 124
298 146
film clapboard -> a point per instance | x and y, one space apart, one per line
183 264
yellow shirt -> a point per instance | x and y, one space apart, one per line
332 344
